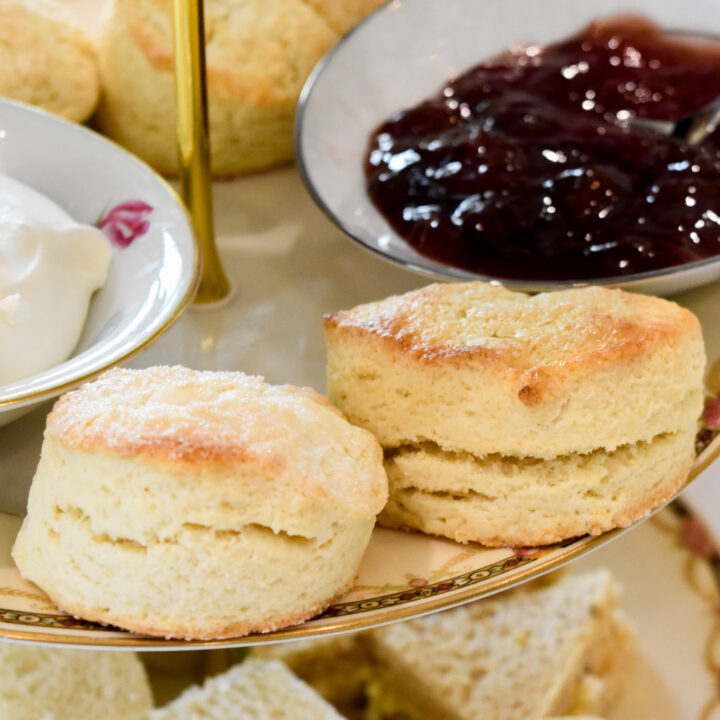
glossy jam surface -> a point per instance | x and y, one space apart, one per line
520 169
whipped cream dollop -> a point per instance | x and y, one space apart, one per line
50 265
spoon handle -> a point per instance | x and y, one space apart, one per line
696 127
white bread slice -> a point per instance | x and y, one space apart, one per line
44 683
252 690
550 652
339 667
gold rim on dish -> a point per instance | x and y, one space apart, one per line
399 605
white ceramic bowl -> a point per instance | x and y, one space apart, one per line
403 54
152 277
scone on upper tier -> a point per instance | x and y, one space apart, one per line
476 368
44 683
252 690
46 62
197 504
259 54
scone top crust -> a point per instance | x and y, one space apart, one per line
479 323
476 368
187 420
253 50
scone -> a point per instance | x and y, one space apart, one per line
38 683
516 419
252 690
194 504
258 57
46 62
537 651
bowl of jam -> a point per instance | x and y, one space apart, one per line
503 141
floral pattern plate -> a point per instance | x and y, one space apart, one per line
288 269
401 576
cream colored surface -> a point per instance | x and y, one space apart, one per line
476 368
41 683
46 62
253 690
258 57
530 655
198 505
498 500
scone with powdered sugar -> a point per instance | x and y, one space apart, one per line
192 504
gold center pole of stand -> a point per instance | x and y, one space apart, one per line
193 142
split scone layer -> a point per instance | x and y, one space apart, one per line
198 505
498 500
499 411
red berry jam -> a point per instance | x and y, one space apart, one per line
520 169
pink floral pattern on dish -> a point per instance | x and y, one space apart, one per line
696 538
418 582
711 414
710 425
126 222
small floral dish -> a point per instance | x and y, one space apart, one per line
405 53
155 258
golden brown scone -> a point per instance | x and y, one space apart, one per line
258 57
476 368
508 419
198 505
46 62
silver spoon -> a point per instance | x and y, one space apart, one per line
692 129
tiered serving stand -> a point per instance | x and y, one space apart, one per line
287 265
